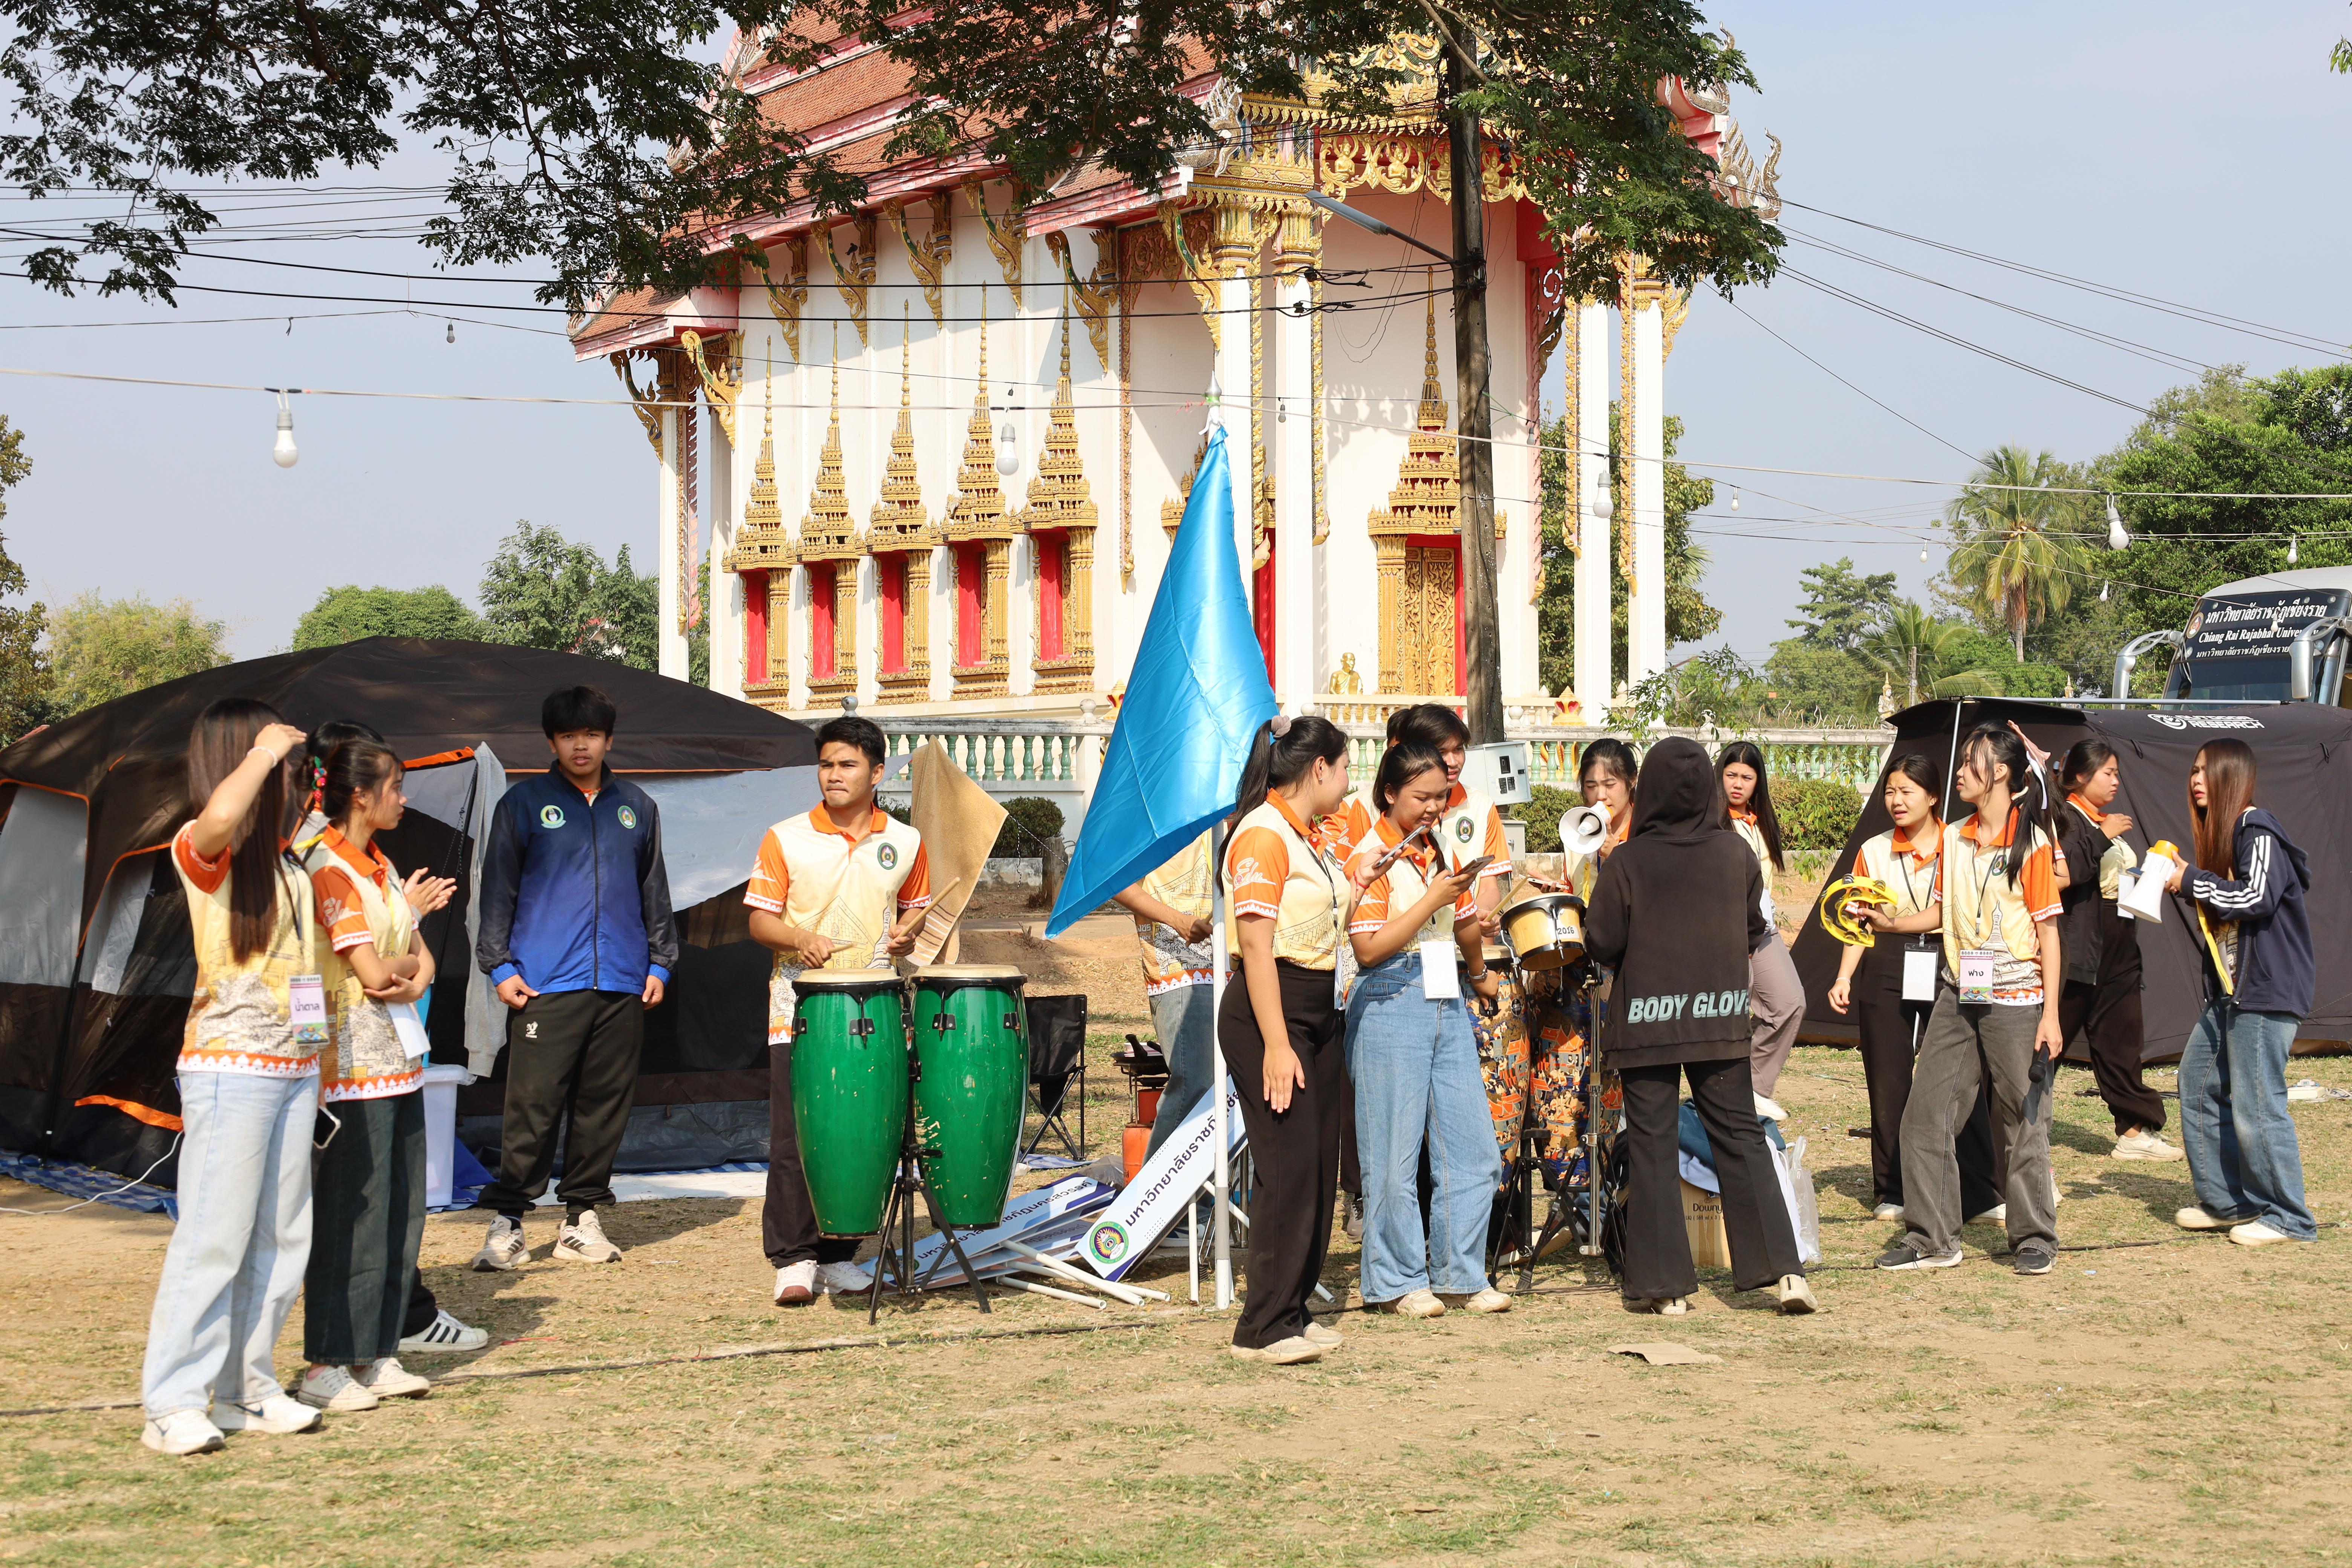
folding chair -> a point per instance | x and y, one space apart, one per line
1058 1054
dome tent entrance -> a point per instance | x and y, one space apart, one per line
2303 751
95 968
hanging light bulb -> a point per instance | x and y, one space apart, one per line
1923 552
282 451
1008 450
2292 553
1281 412
2103 591
1734 501
453 333
2116 537
1601 505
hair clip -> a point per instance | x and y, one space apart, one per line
1278 726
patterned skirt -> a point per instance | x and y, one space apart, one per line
1536 1056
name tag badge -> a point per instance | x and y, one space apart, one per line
1976 976
1440 981
410 1028
1918 975
306 1007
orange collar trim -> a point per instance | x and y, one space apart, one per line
1969 830
2086 808
823 821
1900 842
371 864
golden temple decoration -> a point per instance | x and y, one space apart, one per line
761 546
1091 295
979 517
1428 495
1630 269
715 361
899 525
645 401
1405 163
930 255
1060 501
785 298
1171 510
1298 247
856 280
1189 271
828 535
1004 234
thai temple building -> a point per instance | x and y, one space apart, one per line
943 442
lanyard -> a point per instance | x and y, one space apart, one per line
1985 924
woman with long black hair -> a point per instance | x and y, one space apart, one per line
1890 987
1774 992
2254 940
1996 1012
2102 949
1280 1028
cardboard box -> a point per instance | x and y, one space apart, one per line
1702 1221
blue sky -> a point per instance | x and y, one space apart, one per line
2176 151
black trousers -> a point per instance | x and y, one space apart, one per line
1891 1031
572 1058
788 1224
1755 1216
2108 1011
1294 1155
1351 1169
423 1308
367 1221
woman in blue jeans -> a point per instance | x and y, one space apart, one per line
2247 911
1412 1054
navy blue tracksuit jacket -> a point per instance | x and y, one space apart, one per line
574 897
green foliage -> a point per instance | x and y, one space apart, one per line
100 649
1922 658
1029 821
1841 610
1689 616
542 590
1815 814
2017 552
349 613
1824 686
24 700
1542 812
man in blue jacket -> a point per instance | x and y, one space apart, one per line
576 934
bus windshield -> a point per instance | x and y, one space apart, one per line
2226 679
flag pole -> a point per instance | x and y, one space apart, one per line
1220 1134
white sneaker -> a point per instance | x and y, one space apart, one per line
387 1379
2255 1233
796 1284
444 1334
2198 1217
1797 1297
582 1241
1891 1213
1664 1306
332 1388
1486 1300
2140 1143
1316 1333
1417 1304
1997 1214
843 1279
503 1250
1291 1351
277 1413
181 1432
1767 1105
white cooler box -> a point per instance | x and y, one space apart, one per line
441 1081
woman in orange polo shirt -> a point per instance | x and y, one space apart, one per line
1286 900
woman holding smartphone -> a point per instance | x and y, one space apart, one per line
1285 900
1412 1054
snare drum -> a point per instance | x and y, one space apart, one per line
1545 931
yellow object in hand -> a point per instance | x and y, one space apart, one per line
1837 909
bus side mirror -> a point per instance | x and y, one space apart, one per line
2298 670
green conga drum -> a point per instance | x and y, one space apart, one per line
972 1042
849 1091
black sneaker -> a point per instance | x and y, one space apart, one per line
2034 1258
1904 1254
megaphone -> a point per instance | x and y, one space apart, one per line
1583 829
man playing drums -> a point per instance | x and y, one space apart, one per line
841 886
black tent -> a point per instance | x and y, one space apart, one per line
2304 752
95 968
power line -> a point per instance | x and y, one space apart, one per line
1850 386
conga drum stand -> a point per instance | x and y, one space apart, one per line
897 1252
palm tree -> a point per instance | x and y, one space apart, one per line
1925 653
2014 549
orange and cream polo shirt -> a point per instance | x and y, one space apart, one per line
359 905
1275 868
1982 910
1471 825
1402 886
239 1019
844 883
1903 869
1185 884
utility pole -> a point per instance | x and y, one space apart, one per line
1481 603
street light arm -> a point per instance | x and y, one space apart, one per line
1365 220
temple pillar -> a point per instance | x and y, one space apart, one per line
1239 370
1297 248
669 644
1647 605
1587 434
722 596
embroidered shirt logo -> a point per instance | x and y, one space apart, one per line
628 817
551 816
1462 829
888 855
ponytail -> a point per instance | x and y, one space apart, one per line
218 743
1283 751
1989 746
355 768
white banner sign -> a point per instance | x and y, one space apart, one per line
1148 1207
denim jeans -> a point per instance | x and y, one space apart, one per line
1185 1020
237 1255
2243 1160
1415 1065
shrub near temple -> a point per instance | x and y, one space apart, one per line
1030 821
1816 814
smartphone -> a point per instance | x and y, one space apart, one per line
1381 865
1474 867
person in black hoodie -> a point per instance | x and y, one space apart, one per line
2245 896
1676 912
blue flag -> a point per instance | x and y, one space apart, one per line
1194 700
